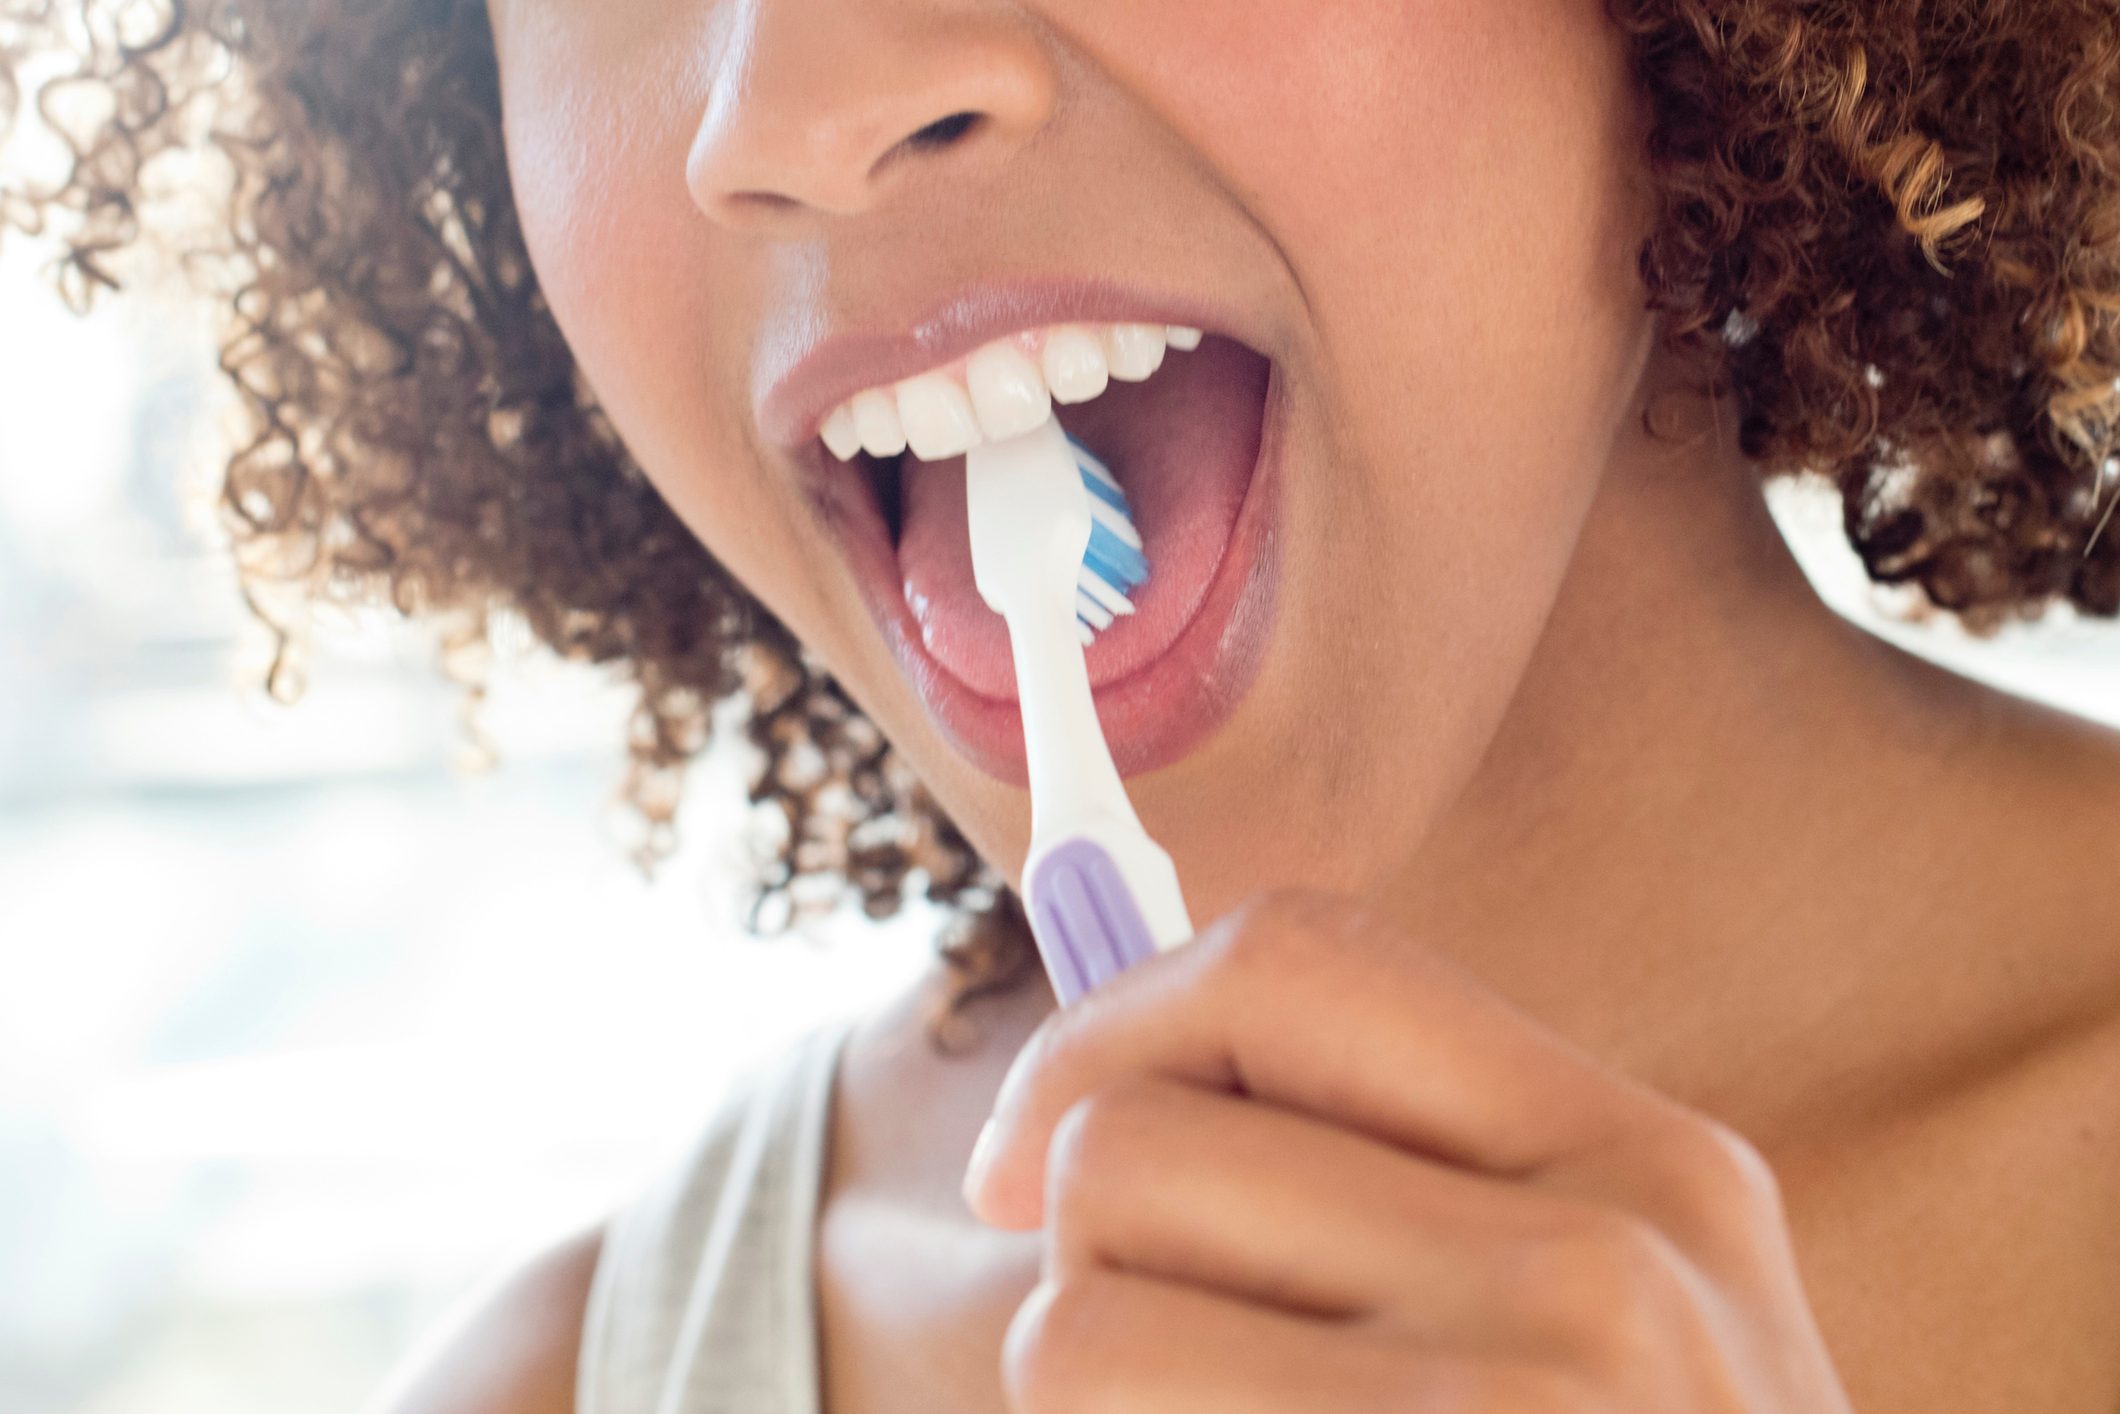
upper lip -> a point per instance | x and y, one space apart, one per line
825 370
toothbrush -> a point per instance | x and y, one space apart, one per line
1054 552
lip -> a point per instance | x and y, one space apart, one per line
803 383
1153 715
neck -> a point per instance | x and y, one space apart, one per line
1739 846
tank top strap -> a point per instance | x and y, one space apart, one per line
702 1301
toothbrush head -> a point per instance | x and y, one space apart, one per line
1052 535
1114 565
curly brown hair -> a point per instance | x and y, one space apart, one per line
1889 230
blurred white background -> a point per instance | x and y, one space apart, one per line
303 1031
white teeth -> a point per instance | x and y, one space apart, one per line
1007 391
840 434
1075 367
938 417
1001 391
876 418
1134 350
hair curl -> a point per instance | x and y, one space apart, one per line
1890 230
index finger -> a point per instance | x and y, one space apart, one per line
1305 1000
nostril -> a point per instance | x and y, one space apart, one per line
943 131
762 201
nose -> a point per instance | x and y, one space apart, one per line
822 107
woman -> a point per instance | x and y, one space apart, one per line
1622 984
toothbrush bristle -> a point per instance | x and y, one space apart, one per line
1114 565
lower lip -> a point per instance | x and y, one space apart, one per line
1152 716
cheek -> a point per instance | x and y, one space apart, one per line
597 131
1456 188
1453 182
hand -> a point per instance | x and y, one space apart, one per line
1301 1165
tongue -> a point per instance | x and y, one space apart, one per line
1182 444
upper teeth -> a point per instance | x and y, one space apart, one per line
1002 390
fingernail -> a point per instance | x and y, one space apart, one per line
982 1156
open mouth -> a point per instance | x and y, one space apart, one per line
1187 444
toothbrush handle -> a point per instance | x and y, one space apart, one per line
1101 899
1084 918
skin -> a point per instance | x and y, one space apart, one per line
1597 843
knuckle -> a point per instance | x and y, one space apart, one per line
1096 1140
1606 1282
1058 1339
1273 930
1732 1164
1051 1040
1716 1176
1045 1055
1468 1386
1545 1388
1391 1369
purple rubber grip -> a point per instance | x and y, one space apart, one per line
1084 918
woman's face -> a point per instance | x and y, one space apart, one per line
1418 216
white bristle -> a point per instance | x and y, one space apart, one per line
1116 521
1098 469
1098 602
1098 617
1101 590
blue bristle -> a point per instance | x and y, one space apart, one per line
1110 495
1108 558
1122 566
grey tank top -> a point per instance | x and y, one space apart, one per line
702 1301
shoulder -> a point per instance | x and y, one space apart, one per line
602 1311
512 1348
